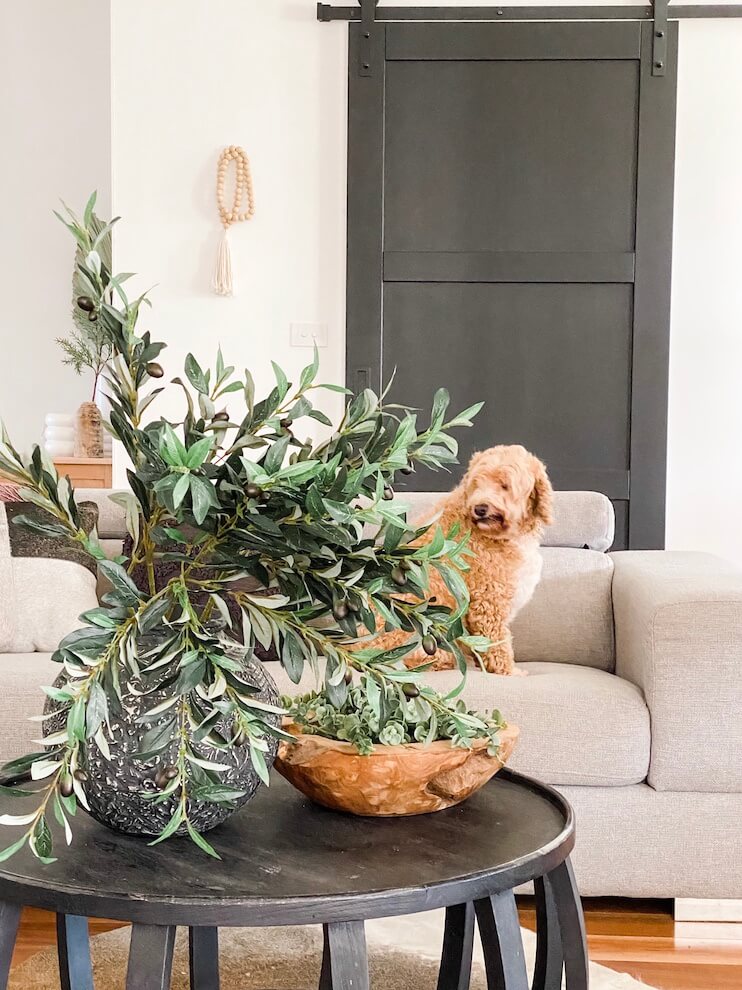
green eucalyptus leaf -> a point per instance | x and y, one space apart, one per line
123 585
195 375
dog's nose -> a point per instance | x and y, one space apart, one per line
481 510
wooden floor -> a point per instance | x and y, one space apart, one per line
636 937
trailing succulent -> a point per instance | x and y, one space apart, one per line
232 498
390 714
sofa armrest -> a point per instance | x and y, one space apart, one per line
678 619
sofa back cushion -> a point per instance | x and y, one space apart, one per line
45 581
581 519
570 617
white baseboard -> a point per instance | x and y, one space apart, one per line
702 909
688 933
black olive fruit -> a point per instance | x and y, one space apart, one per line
92 317
405 564
254 491
286 422
340 610
265 497
66 786
398 576
407 469
80 775
388 493
221 417
86 303
430 644
240 738
348 676
170 773
155 370
354 606
410 690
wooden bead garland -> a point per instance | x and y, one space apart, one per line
242 208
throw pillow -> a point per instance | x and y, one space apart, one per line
9 492
45 581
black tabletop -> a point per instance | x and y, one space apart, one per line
288 861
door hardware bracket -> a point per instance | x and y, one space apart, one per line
365 48
659 37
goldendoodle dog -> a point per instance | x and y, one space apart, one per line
503 502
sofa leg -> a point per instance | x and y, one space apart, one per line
706 909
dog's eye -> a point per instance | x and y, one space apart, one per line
505 486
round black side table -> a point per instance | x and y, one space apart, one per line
288 862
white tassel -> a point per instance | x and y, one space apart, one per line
222 283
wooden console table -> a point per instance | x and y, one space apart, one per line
86 472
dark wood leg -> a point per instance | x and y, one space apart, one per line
499 928
547 973
203 950
571 926
458 943
73 951
150 957
10 915
348 964
325 976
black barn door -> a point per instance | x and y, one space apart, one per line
509 236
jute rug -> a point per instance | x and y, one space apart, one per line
403 955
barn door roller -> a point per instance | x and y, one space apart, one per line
659 38
365 49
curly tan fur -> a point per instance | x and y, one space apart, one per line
504 501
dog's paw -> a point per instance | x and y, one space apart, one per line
439 661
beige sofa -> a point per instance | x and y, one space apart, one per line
632 707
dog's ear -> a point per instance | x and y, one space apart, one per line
540 503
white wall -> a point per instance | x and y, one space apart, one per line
55 127
704 482
189 78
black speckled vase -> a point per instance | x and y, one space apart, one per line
116 787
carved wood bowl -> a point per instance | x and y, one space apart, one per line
393 780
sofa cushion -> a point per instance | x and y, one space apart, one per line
46 581
111 517
581 519
570 617
578 725
22 676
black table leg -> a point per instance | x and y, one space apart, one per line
150 957
10 915
458 943
344 964
547 973
73 952
203 949
571 926
502 945
325 976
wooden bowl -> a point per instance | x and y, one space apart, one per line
393 780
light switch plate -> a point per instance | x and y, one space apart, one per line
308 334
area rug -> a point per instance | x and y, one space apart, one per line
403 955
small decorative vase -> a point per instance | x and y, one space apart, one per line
58 439
412 779
89 439
115 788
